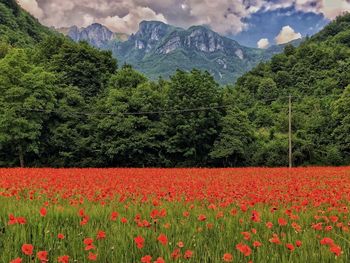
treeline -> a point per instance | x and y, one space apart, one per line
64 104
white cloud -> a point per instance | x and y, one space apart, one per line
263 43
32 7
223 16
286 35
129 23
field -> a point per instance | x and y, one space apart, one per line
175 215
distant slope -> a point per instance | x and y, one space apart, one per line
18 27
317 75
158 49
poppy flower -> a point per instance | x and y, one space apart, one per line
92 256
336 250
27 249
188 254
282 221
42 256
159 260
114 216
180 244
146 259
256 244
124 220
163 239
202 218
139 241
101 234
63 259
290 247
176 254
298 243
16 260
244 249
43 211
327 241
60 236
227 257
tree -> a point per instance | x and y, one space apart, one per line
190 135
341 114
85 67
232 145
26 98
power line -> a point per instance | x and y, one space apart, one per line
159 112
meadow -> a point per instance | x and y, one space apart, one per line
175 215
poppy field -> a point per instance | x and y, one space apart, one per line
175 215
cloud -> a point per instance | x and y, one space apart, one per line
129 23
263 43
286 35
32 7
224 16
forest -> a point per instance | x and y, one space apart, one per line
66 104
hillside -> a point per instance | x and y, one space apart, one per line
158 49
18 27
317 75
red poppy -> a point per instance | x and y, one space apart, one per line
42 256
101 234
202 217
159 260
163 239
139 241
244 249
60 236
298 243
43 211
180 244
327 241
188 254
16 260
27 249
114 216
290 246
146 259
92 256
256 244
282 221
336 250
227 257
63 259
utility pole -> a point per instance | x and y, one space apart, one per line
290 132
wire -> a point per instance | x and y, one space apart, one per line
150 112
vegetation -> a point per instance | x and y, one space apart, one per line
67 104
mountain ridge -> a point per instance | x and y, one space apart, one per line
157 49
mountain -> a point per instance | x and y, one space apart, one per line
158 49
96 34
18 27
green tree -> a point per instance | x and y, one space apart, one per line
191 135
26 96
232 145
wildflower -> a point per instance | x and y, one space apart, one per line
255 216
188 254
256 244
227 257
180 244
63 259
92 256
245 249
290 246
336 250
60 236
327 241
159 260
101 234
146 259
298 243
282 221
16 260
139 241
27 249
43 211
114 216
163 239
202 217
42 256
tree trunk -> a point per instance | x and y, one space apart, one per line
21 157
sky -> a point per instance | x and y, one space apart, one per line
255 23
